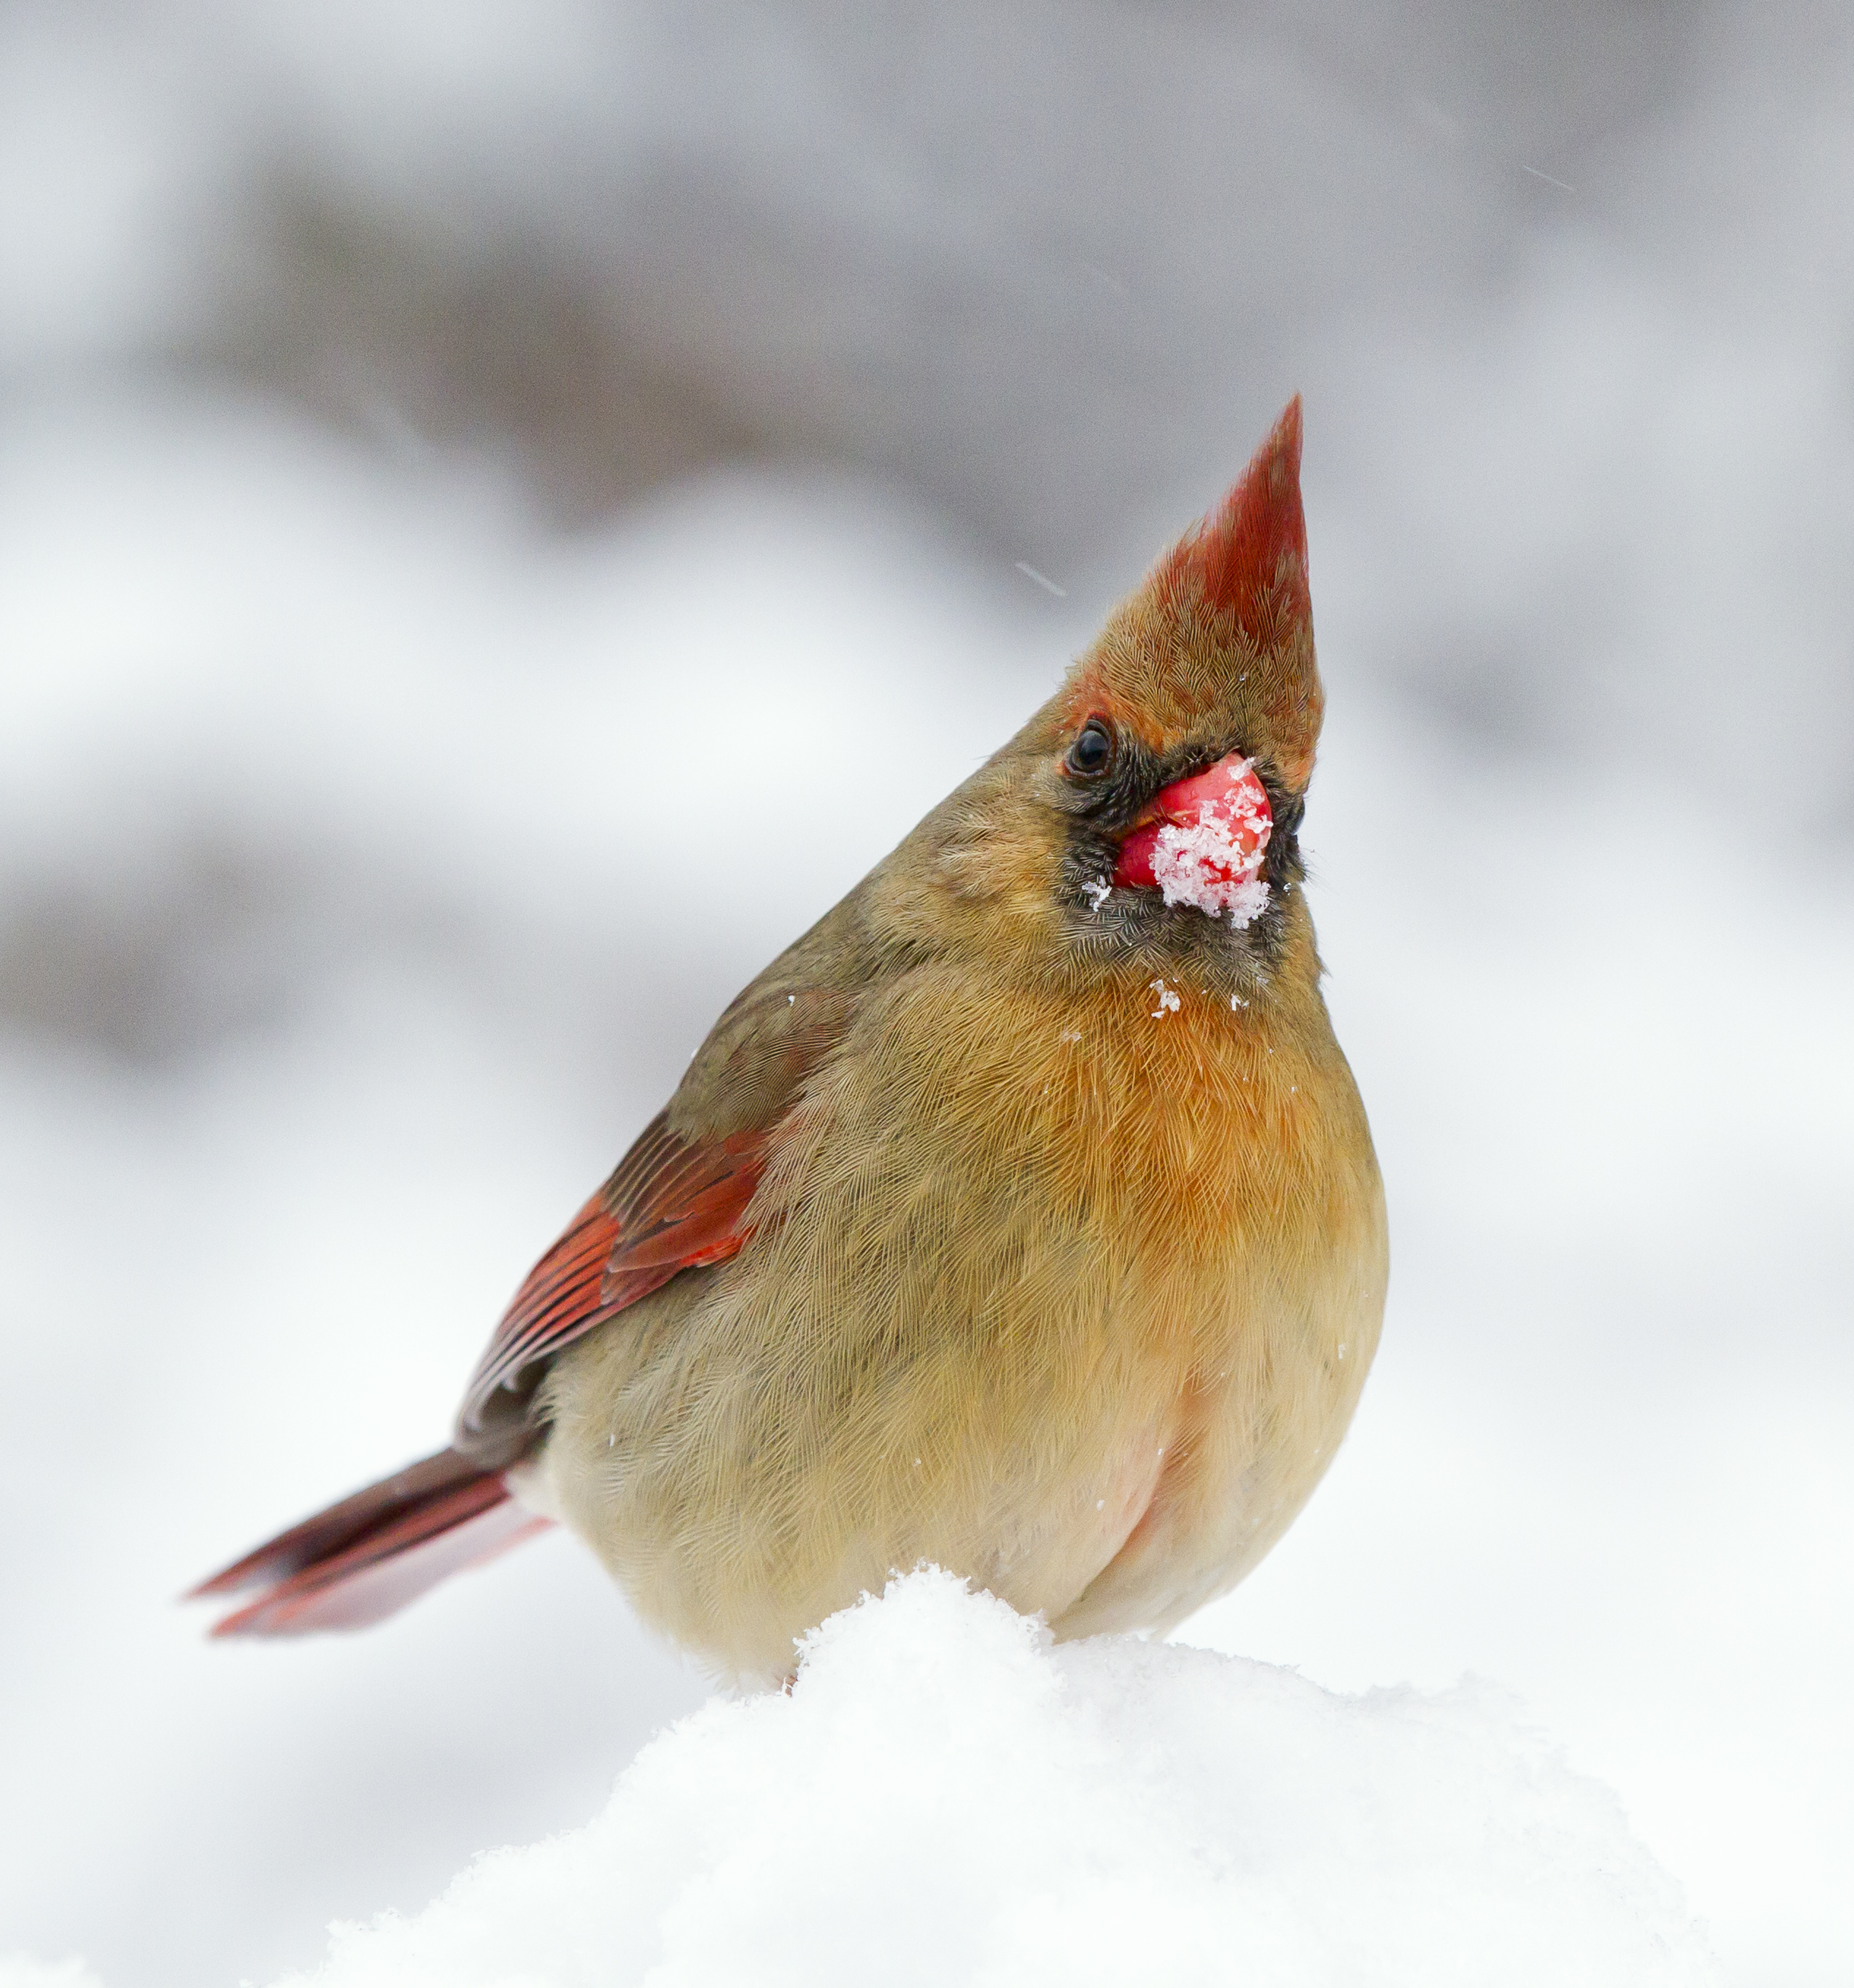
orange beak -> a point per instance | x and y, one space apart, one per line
1202 840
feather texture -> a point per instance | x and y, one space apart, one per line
672 1204
1014 1218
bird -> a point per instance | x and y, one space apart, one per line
1021 1219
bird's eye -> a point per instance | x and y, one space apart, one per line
1092 749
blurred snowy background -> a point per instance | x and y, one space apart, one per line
506 512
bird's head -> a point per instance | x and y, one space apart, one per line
1149 811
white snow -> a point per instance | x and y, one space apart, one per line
1213 862
944 1797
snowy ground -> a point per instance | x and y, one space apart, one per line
369 867
943 1798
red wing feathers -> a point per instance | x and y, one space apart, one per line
558 1300
671 1205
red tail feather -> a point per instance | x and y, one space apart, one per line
372 1554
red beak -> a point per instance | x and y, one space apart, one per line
1202 841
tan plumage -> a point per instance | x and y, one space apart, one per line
1052 1285
1064 1259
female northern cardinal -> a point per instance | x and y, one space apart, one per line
1022 1217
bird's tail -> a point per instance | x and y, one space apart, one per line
372 1554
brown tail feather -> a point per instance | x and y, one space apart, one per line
372 1554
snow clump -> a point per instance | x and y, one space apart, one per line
945 1797
1213 861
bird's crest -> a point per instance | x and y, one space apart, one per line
1222 628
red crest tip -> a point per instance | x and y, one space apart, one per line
1248 557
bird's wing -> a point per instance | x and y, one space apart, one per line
680 1197
672 1204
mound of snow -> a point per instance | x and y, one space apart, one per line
945 1797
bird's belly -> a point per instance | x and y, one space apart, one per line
1245 1454
1085 1330
736 1525
738 1508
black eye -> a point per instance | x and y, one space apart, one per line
1092 748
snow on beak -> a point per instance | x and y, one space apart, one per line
1202 842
